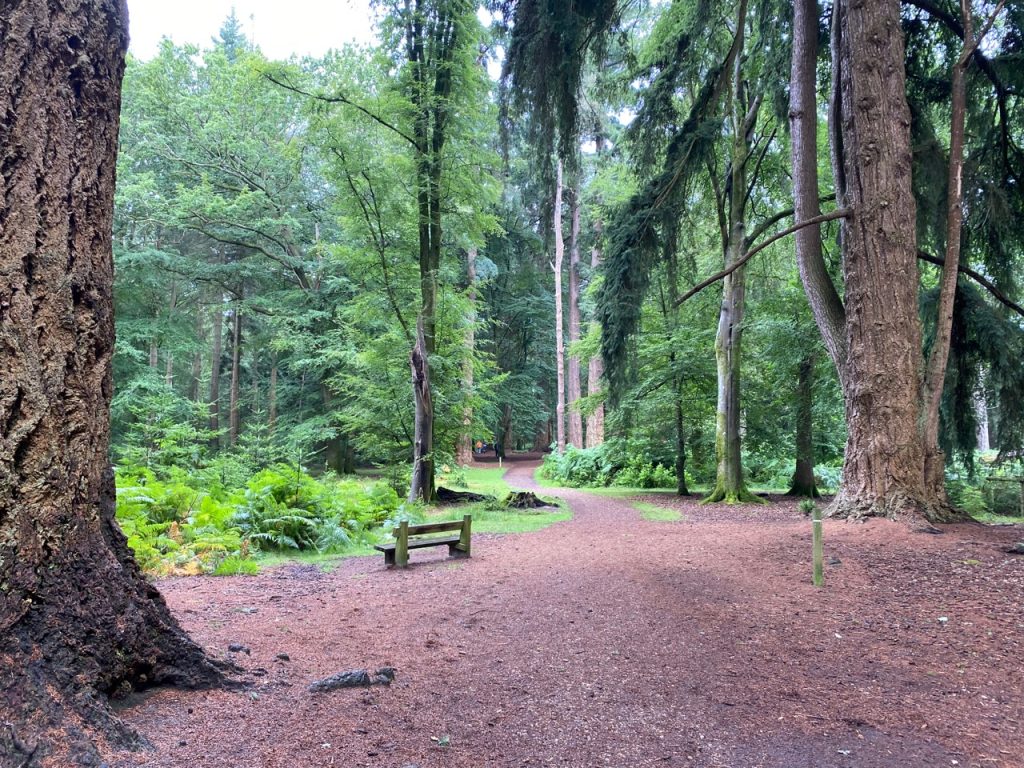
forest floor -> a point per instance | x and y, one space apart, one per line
610 640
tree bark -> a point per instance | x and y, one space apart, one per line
884 469
197 358
272 396
681 488
559 325
422 483
234 417
730 486
216 351
464 450
935 459
595 369
574 388
826 305
78 621
803 483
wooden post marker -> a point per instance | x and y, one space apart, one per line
819 567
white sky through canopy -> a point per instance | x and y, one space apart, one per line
279 27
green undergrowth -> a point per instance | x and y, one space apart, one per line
184 524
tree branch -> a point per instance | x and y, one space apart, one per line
342 99
842 213
977 277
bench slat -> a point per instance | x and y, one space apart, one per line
420 543
411 537
433 528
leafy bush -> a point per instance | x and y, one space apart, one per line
172 527
828 477
579 467
285 508
616 462
645 474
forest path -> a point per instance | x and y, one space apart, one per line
609 640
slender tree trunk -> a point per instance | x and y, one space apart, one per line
234 418
78 621
197 358
803 483
575 390
681 488
884 469
216 351
272 396
826 305
595 369
559 325
729 485
422 483
935 377
981 411
169 362
464 451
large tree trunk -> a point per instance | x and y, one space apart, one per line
575 390
464 450
803 483
981 416
884 469
78 621
595 369
559 325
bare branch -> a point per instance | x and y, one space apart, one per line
977 277
842 213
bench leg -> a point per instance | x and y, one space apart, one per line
389 558
402 545
454 551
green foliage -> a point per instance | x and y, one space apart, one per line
284 508
177 527
234 565
615 462
639 473
173 527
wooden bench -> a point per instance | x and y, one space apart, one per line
417 536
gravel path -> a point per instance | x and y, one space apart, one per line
609 640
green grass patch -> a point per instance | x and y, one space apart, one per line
325 561
488 480
990 518
657 514
491 517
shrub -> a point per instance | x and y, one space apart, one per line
285 508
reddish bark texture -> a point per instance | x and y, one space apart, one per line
77 619
884 471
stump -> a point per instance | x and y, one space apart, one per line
525 500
